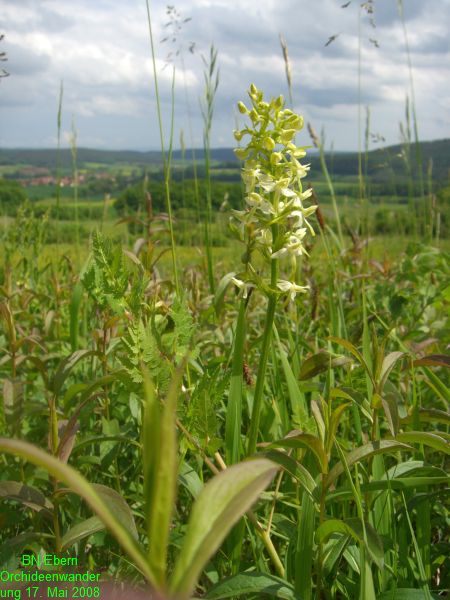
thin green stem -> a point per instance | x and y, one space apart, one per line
166 163
261 376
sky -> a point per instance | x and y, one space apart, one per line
99 51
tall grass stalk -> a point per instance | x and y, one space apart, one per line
211 76
166 160
288 70
418 150
360 166
58 165
319 144
73 150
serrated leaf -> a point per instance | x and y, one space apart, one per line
221 503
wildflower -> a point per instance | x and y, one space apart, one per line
275 220
291 288
242 286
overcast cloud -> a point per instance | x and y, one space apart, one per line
100 50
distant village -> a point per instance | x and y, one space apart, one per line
37 176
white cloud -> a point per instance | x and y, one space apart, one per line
102 52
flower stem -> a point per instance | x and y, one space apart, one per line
261 376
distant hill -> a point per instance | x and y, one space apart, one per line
382 163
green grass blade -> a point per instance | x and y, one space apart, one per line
74 311
304 549
423 583
296 396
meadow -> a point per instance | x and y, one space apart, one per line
220 381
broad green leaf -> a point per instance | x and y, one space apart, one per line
387 366
252 583
189 478
27 495
334 423
319 363
332 553
297 439
428 415
426 438
80 531
354 396
351 348
403 483
390 408
161 450
436 384
86 390
120 509
221 503
220 292
67 431
81 486
354 528
66 366
103 439
318 417
433 360
295 469
362 453
12 549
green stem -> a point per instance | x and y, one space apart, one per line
261 376
166 163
